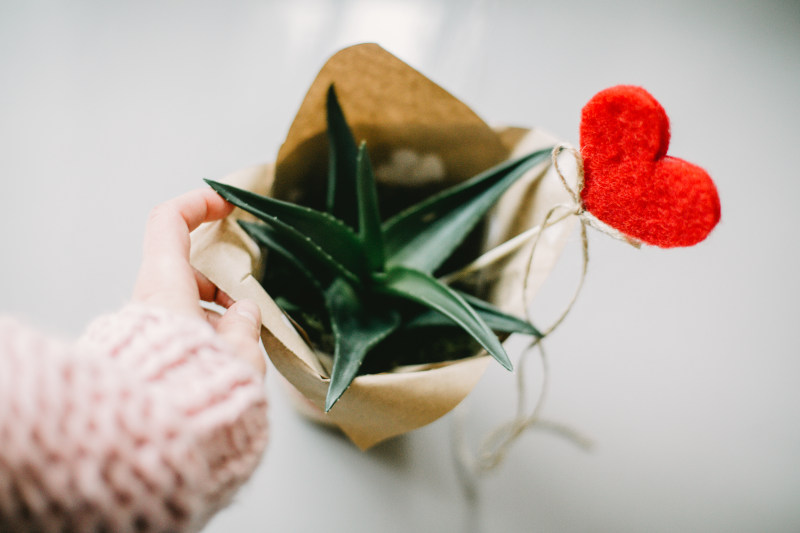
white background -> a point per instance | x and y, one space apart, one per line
683 366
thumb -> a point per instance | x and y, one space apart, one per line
240 326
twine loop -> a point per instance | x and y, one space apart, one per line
574 193
495 446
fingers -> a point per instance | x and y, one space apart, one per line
240 326
210 292
165 278
170 223
168 280
212 317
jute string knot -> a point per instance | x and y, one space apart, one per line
495 446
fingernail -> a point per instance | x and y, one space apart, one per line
249 310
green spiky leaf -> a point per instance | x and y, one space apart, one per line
426 234
358 326
496 319
423 289
342 164
312 231
315 270
499 320
369 219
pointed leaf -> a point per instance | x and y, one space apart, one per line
369 219
496 319
306 228
313 267
342 154
423 289
357 328
424 235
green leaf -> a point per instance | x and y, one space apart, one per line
500 321
312 267
369 219
423 289
496 319
357 327
424 235
342 154
312 231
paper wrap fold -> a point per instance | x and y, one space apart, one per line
423 120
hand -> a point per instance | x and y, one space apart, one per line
167 280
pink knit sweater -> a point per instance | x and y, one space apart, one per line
147 423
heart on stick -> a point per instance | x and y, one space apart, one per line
630 182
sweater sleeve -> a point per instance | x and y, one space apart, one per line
147 423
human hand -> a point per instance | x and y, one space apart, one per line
167 280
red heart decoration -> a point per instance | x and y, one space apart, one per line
630 182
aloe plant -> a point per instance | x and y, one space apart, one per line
376 277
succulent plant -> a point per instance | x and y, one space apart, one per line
373 277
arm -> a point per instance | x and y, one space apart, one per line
152 420
147 424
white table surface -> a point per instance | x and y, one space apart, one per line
681 365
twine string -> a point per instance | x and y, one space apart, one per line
496 445
503 250
574 193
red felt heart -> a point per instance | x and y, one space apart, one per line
630 182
